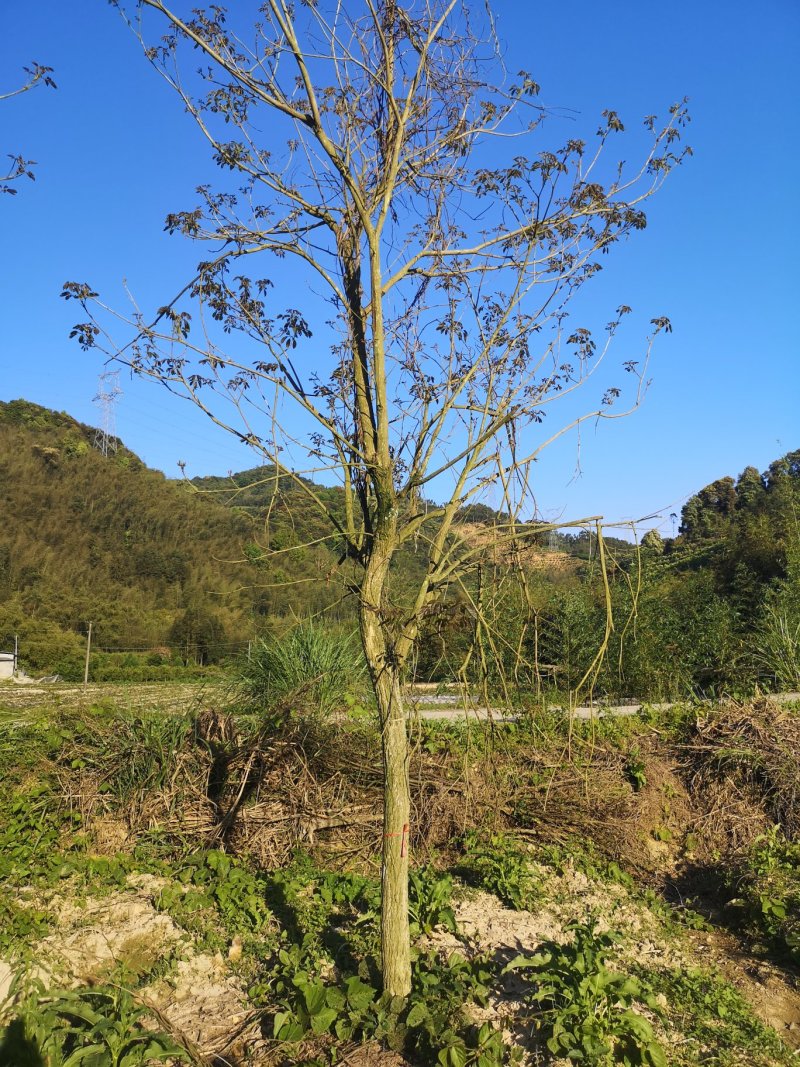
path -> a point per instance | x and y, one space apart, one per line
450 707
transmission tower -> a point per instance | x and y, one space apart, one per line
108 393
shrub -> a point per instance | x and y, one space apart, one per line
310 665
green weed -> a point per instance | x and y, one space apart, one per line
34 827
776 651
335 913
430 897
100 1027
766 884
499 866
429 1025
20 924
717 1027
583 1007
635 770
216 898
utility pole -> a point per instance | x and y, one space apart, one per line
16 655
88 652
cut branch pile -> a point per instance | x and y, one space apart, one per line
311 784
743 762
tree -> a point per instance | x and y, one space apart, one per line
706 513
433 249
35 74
653 542
749 490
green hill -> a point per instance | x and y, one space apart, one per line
149 561
175 572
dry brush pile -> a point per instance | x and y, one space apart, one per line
646 801
743 760
212 779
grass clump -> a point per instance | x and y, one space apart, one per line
309 665
776 649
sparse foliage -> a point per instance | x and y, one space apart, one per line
20 167
420 245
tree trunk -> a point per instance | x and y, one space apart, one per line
395 938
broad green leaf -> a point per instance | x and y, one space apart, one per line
88 1056
359 994
314 996
540 959
657 1055
335 998
454 1056
322 1020
418 1014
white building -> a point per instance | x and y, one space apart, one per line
7 664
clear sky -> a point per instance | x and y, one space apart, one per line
115 154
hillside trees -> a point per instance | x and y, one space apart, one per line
387 265
718 608
85 536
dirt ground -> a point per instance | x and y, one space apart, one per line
203 1001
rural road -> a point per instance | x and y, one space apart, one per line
423 703
449 707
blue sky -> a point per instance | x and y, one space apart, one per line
115 154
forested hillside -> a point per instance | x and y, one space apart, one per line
193 571
150 562
715 609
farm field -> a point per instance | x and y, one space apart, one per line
183 880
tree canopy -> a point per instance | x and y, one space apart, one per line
421 335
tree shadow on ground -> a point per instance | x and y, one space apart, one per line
18 1049
333 937
700 887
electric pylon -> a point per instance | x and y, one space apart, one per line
108 393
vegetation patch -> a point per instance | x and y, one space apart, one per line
252 932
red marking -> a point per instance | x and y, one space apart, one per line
402 834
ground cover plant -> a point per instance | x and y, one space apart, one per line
67 1027
98 825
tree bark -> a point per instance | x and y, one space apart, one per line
385 674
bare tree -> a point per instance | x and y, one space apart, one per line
380 147
35 74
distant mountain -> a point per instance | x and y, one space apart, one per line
149 561
156 563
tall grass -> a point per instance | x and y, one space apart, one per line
777 648
309 666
